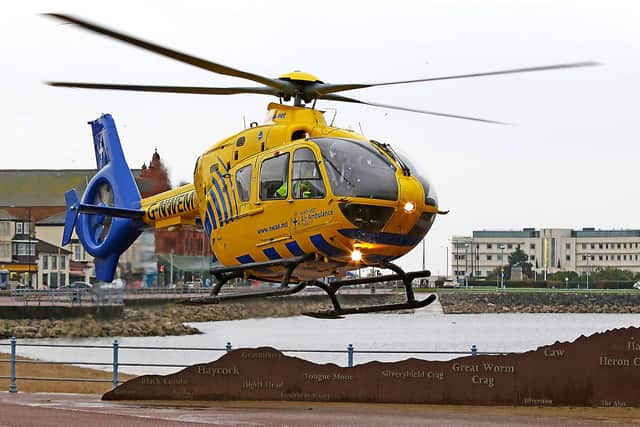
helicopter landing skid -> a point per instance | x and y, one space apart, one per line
224 274
339 312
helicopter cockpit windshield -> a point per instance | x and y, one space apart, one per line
356 169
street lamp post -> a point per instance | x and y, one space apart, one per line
502 266
466 265
588 258
171 268
446 251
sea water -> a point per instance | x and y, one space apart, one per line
327 340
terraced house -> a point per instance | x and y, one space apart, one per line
32 220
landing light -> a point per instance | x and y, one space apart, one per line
356 256
409 207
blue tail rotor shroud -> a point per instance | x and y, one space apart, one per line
126 223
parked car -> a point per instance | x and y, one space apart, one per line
78 285
636 285
191 285
450 284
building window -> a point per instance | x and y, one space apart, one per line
488 245
593 246
4 228
45 262
54 265
584 246
568 246
584 258
489 257
53 280
499 257
618 257
618 245
532 246
510 246
532 257
568 257
63 262
5 250
600 257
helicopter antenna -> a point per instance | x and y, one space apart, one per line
313 107
335 113
244 121
360 126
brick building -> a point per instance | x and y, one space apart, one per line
32 216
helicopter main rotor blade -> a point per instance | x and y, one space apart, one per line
170 89
340 98
322 89
179 56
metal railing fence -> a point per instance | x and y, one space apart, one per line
115 364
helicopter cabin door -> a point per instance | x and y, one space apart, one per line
308 193
272 225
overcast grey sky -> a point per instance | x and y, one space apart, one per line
570 160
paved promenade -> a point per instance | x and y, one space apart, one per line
48 409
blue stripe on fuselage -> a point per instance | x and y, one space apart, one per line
215 203
323 246
222 201
227 191
245 259
271 253
391 239
211 216
294 248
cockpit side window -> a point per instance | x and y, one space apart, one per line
273 177
306 180
243 183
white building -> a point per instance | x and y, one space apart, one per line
549 250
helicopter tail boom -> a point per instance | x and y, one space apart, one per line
108 219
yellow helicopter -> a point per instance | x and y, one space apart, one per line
292 201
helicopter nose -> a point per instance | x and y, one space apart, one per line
430 195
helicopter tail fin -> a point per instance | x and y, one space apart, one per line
108 219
